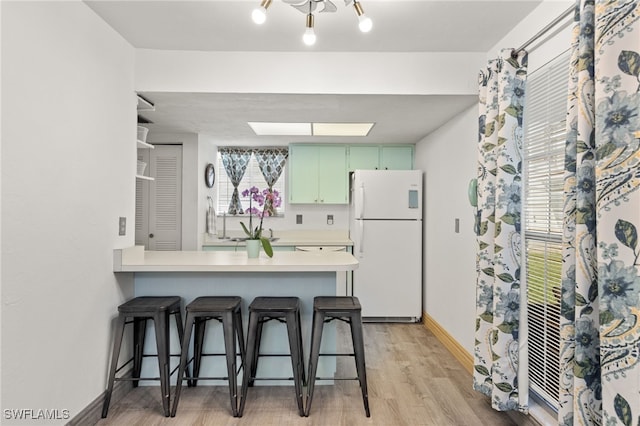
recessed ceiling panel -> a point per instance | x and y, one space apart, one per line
280 129
341 129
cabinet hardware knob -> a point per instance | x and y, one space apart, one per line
150 235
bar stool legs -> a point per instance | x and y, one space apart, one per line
347 309
297 360
227 310
117 343
141 309
358 344
283 309
316 338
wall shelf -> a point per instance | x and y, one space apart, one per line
144 145
144 104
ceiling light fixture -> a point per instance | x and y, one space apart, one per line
307 7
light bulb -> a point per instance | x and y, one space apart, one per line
365 23
309 37
259 15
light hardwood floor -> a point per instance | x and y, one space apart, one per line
412 378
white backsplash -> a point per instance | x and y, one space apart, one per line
314 217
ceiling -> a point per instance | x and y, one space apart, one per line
225 25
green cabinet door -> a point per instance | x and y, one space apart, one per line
396 158
318 174
364 157
303 174
333 177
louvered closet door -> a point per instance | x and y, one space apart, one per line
165 198
142 204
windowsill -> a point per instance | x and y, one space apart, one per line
541 412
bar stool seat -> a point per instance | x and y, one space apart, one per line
227 310
347 309
285 310
139 310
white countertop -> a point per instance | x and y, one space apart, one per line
136 259
291 238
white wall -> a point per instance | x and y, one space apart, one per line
68 166
314 217
207 153
439 73
448 157
545 13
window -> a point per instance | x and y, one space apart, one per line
252 177
545 136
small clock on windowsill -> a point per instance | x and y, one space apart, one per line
209 175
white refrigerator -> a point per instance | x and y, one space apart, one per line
386 230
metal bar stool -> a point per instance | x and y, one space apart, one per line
141 309
346 309
226 310
285 310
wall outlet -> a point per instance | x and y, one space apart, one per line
298 219
329 219
122 226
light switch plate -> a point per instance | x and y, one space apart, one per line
457 226
122 226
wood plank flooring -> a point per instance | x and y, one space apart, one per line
412 378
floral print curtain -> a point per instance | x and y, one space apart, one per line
600 328
271 162
235 161
496 351
579 235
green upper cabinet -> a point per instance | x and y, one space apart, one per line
396 157
303 174
364 157
318 174
380 157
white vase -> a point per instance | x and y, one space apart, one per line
253 248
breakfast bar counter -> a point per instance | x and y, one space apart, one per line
136 259
191 274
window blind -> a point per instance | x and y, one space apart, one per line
252 177
545 137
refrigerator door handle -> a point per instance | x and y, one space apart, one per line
361 236
360 202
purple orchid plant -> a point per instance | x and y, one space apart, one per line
268 200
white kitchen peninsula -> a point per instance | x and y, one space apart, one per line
191 274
